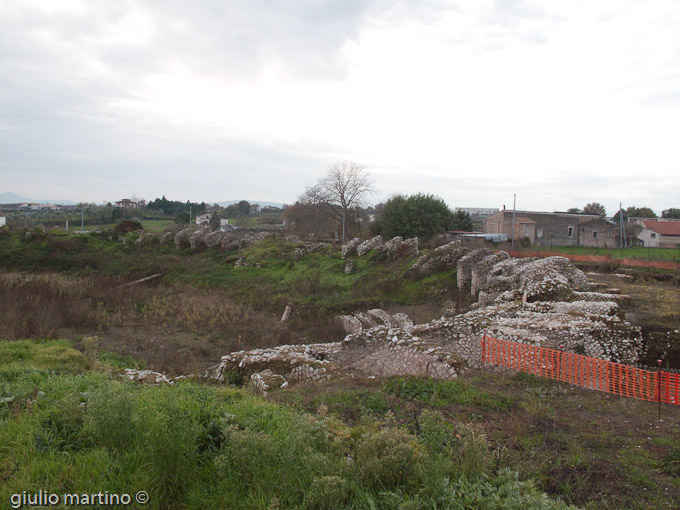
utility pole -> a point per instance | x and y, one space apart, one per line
622 231
514 202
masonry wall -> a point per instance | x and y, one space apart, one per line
550 229
597 234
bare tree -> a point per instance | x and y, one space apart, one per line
346 185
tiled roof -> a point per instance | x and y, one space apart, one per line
665 228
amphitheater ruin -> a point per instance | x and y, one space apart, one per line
546 302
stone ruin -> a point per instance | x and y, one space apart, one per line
395 248
546 302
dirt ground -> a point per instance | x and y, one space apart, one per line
655 307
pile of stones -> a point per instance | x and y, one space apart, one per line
546 302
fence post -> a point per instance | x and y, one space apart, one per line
658 386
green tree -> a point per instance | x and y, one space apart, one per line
242 208
215 222
671 213
640 212
182 218
574 210
635 212
461 221
418 215
595 208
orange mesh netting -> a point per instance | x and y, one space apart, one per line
584 371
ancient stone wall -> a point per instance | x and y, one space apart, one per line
546 302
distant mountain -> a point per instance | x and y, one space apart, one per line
261 204
13 198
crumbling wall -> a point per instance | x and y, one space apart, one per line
546 302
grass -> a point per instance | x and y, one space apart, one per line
194 445
60 284
581 446
485 440
637 252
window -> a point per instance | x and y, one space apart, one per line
594 234
653 235
526 231
570 232
539 232
583 229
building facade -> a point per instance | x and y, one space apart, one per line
544 228
662 233
477 213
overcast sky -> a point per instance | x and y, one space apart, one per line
563 103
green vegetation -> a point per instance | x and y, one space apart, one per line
638 252
69 423
417 215
192 445
443 393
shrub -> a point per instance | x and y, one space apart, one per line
127 226
388 459
327 493
464 444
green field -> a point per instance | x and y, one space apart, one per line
638 252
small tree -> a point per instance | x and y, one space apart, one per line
345 186
595 208
574 210
461 221
418 215
640 212
214 222
671 213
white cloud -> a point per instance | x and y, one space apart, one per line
470 100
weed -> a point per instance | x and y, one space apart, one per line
388 459
442 393
671 461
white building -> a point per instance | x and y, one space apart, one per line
203 220
477 213
660 233
3 220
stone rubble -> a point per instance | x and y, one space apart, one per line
546 302
350 247
146 376
397 247
371 244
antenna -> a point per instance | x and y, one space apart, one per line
514 200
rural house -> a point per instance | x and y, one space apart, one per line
203 220
661 233
599 233
540 228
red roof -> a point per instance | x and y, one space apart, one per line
665 228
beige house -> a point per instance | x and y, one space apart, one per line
661 233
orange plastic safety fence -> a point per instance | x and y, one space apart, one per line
584 371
